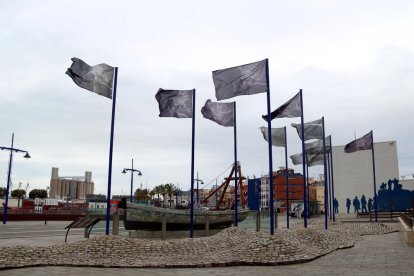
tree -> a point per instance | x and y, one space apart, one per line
159 190
38 193
170 190
141 194
19 194
3 191
152 194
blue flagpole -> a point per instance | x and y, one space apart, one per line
375 183
269 132
307 182
236 219
192 170
287 181
325 175
332 175
111 145
305 211
329 185
6 203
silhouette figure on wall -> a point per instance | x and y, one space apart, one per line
394 197
348 205
356 204
363 204
335 205
369 204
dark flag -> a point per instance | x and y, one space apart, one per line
363 143
245 79
98 78
278 136
290 109
313 130
221 113
175 103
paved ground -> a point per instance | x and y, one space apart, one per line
373 255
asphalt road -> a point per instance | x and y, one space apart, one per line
27 232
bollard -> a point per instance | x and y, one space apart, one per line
115 223
276 219
86 235
258 221
163 226
207 227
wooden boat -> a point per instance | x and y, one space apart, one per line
142 217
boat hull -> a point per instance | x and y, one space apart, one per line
141 217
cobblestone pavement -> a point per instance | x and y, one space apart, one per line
231 247
373 255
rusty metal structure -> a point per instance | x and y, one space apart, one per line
228 203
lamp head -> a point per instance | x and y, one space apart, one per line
202 182
139 173
124 171
27 156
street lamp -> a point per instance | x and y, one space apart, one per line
11 149
198 180
132 170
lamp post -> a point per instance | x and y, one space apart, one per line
198 180
11 149
132 170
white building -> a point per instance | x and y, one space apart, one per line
353 172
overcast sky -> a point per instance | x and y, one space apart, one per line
354 61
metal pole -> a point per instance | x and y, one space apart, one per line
198 200
192 170
8 183
307 181
108 201
269 129
132 178
332 175
325 175
236 219
329 187
287 181
375 183
305 211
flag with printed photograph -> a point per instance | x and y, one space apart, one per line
317 146
312 159
290 109
313 130
175 103
98 78
221 113
278 136
363 143
240 80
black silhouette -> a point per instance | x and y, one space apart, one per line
348 205
395 197
363 204
335 205
369 204
356 204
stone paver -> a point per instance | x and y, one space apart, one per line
365 258
231 247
